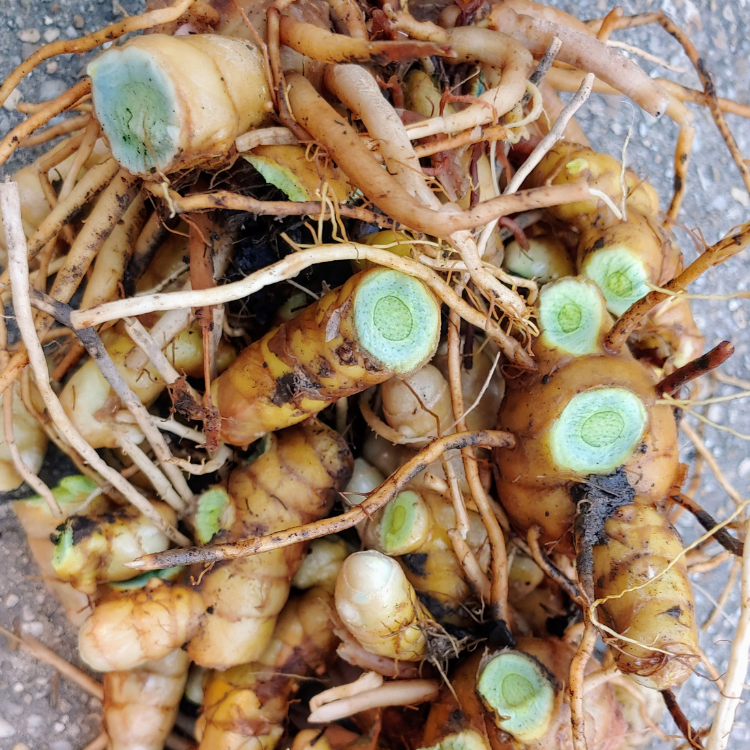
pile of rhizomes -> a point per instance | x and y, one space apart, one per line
373 373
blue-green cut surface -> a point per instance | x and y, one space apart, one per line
136 105
598 430
519 691
620 275
571 312
397 320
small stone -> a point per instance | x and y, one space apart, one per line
52 67
744 468
18 687
741 196
20 746
12 709
48 21
58 726
6 730
12 101
34 721
51 34
56 8
51 89
34 629
12 600
27 613
61 745
78 22
716 413
32 36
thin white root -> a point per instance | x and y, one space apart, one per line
277 136
400 693
600 677
159 482
167 328
290 267
731 695
554 135
221 456
365 682
476 578
164 367
713 464
10 204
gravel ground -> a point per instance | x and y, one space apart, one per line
39 711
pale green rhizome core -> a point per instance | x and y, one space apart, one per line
214 513
136 105
405 524
397 320
598 430
519 692
138 582
620 275
71 490
279 176
571 313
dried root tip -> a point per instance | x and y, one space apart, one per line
379 606
167 103
93 550
405 524
571 315
546 259
598 430
469 739
215 513
620 274
397 320
519 693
